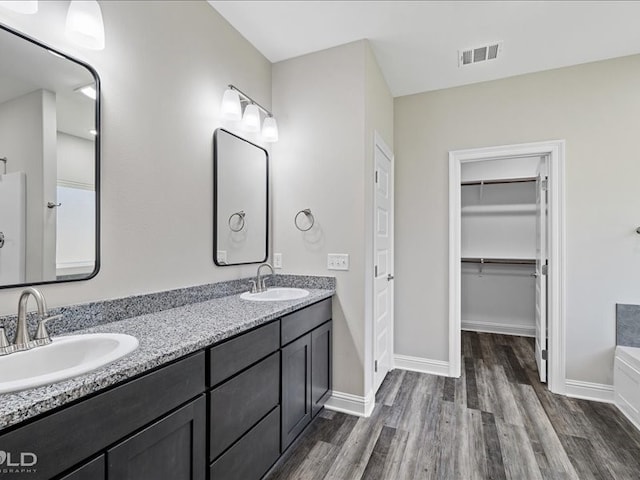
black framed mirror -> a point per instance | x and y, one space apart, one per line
240 200
50 167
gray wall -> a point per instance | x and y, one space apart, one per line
328 104
595 107
164 69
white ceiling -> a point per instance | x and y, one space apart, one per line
416 42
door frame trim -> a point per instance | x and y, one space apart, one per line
556 319
378 142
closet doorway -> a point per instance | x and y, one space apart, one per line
506 249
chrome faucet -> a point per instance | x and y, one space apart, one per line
22 340
258 285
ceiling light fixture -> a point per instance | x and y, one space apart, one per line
231 109
84 24
88 90
22 6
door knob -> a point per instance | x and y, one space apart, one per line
389 277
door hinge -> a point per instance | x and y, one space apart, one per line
544 184
375 271
375 366
544 269
376 176
544 354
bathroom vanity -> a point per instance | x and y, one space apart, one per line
223 411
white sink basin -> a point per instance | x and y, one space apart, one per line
64 358
276 294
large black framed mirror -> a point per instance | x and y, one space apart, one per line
240 200
50 164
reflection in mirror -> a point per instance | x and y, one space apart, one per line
241 193
48 176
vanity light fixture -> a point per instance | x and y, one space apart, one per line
251 118
270 129
231 109
84 24
21 6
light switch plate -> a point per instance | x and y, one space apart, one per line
277 260
338 261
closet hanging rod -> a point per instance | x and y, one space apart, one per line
504 180
501 261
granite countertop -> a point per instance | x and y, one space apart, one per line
164 336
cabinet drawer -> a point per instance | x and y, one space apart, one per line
238 404
106 417
253 455
234 355
298 323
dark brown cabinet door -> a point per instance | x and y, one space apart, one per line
93 470
296 388
320 367
171 448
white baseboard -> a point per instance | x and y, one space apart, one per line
501 328
628 410
351 404
423 365
598 392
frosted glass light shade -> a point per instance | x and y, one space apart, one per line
84 24
230 108
21 6
251 118
270 130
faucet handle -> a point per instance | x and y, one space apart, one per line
42 336
5 346
254 286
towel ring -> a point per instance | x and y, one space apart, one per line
310 217
240 216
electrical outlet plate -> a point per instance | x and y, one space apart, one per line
277 260
337 261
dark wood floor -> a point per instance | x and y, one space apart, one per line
495 422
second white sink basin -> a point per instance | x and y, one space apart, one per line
276 294
64 358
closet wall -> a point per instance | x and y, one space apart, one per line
498 224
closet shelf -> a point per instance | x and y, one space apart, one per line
496 182
500 261
499 209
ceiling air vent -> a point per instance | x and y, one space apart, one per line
469 56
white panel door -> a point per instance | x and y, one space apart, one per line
13 228
541 271
383 269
